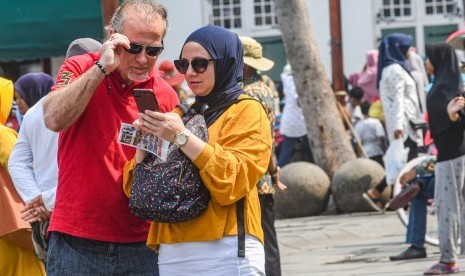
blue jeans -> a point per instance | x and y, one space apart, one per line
416 229
69 255
287 149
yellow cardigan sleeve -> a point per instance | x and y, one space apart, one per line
237 154
128 176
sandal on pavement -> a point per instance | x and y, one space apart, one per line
441 269
373 202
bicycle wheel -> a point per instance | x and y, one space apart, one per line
403 213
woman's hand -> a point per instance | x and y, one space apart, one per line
138 125
35 210
163 125
140 153
454 106
166 126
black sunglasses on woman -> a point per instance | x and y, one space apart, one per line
199 65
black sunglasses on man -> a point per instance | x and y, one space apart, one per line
151 51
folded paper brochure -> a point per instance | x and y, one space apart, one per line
128 135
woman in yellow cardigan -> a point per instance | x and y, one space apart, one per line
230 164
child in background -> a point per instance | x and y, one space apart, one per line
371 134
353 104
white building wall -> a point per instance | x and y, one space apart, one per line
184 16
356 18
360 31
419 21
319 15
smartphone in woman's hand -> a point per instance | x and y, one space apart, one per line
145 99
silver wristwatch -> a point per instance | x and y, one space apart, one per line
181 138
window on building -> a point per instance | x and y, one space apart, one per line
396 9
438 7
232 14
264 13
227 13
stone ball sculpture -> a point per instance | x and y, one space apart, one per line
354 178
307 191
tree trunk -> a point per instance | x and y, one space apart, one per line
327 137
108 8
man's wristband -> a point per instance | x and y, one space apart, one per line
101 68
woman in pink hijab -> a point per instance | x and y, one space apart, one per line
367 78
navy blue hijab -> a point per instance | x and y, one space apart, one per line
226 49
393 49
33 86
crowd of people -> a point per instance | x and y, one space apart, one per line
67 211
67 180
401 89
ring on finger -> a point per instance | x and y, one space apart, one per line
36 213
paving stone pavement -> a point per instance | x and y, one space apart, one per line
351 244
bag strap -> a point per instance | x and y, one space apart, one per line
240 228
240 203
185 107
228 104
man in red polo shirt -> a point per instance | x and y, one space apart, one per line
92 231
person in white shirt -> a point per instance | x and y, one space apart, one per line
34 171
35 181
293 127
32 163
399 99
398 92
371 133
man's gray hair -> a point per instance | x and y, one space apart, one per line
148 8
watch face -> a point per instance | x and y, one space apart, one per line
181 139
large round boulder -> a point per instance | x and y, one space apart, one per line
307 191
354 178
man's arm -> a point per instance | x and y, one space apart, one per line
63 108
